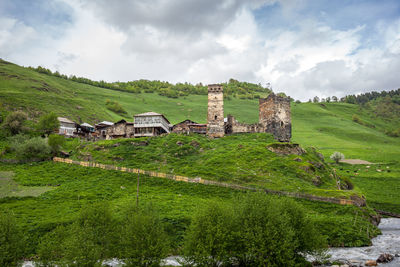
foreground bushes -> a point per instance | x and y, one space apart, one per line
138 240
11 242
254 231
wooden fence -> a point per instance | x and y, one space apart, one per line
341 201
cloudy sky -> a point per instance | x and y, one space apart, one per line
302 47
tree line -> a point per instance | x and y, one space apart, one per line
232 88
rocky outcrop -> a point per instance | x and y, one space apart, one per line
286 149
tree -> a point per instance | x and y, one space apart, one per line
91 237
254 230
337 156
143 239
55 142
11 240
328 99
316 99
334 99
15 122
48 123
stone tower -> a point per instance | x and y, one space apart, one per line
215 117
275 116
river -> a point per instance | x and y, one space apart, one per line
387 242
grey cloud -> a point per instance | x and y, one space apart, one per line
173 16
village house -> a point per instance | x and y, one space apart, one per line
85 130
101 129
120 129
188 126
150 124
67 127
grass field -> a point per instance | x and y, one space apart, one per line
9 188
176 201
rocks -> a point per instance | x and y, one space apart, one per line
179 143
317 165
140 143
286 149
371 263
385 257
298 159
194 143
317 180
116 145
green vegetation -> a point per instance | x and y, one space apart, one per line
11 240
255 230
15 123
9 188
225 160
115 107
48 123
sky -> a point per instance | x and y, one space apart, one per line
304 48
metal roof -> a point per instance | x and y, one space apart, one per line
62 119
151 113
86 125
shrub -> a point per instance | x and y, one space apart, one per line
15 122
48 123
143 240
115 107
337 156
33 149
393 133
55 142
11 242
355 118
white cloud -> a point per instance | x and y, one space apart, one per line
209 41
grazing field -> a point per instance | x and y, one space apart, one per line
9 188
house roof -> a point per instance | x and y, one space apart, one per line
151 113
65 120
86 125
105 123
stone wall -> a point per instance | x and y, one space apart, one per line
215 116
120 130
274 114
232 126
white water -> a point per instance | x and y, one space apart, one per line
388 242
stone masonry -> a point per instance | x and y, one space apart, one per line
215 117
274 114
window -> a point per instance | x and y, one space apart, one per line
215 117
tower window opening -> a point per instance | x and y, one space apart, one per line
215 117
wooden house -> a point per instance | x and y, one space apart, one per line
150 124
67 127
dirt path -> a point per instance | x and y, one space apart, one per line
356 161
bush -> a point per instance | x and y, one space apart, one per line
33 149
337 156
115 107
48 123
15 123
143 240
393 133
51 248
55 142
255 230
11 241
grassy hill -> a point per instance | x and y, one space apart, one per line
242 159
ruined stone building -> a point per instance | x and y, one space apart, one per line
274 117
188 127
215 116
150 124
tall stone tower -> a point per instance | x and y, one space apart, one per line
275 116
215 117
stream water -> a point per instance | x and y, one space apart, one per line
388 242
